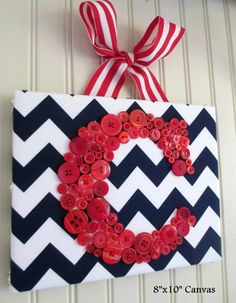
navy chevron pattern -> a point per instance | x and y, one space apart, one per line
39 242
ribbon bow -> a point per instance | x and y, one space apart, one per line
158 41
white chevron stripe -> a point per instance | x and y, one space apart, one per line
211 255
98 272
48 233
136 227
25 151
177 261
208 219
46 183
50 279
137 180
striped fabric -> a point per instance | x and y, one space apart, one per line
158 41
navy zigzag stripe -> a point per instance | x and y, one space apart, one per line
49 207
50 257
25 176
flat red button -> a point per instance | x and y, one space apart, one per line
129 255
189 162
101 138
192 220
62 188
73 188
184 141
98 155
158 123
149 125
68 172
75 221
88 194
90 248
183 124
147 258
150 117
185 153
92 226
126 238
173 245
124 116
100 169
168 233
124 137
179 240
100 188
155 254
127 126
138 118
183 213
134 133
162 143
68 201
156 234
93 127
68 157
100 239
171 159
85 182
174 122
118 227
89 157
144 132
82 204
79 145
111 254
108 156
165 249
154 134
190 170
82 131
175 154
98 209
139 259
111 125
112 143
179 168
97 253
183 229
94 147
143 243
112 219
84 168
83 239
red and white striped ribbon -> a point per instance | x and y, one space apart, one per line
158 41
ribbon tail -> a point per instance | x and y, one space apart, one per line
147 84
107 79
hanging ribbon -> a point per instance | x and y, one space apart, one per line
158 41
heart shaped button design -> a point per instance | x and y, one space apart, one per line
83 187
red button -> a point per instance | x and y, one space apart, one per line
159 123
89 157
118 227
68 201
184 141
124 137
111 254
179 240
68 157
97 253
154 134
129 255
162 143
139 259
73 188
100 188
98 209
167 125
167 152
100 169
183 229
100 239
156 234
150 117
138 118
88 194
147 258
101 138
179 131
62 188
124 116
98 155
192 220
108 156
75 221
190 170
112 143
90 248
185 132
111 125
126 238
85 168
173 246
168 233
179 168
144 132
175 154
143 243
149 125
165 132
68 172
183 213
79 160
79 146
85 182
93 127
92 226
112 219
94 147
183 124
188 162
174 123
134 133
82 131
171 159
165 249
83 239
155 254
82 204
174 221
127 126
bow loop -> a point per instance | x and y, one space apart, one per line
159 40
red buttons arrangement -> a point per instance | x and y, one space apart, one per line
83 187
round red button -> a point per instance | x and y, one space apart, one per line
68 201
112 219
183 229
174 122
134 133
62 188
158 123
85 182
93 127
154 134
89 157
165 249
185 153
100 169
118 227
79 145
85 168
68 172
124 116
98 209
179 168
100 239
168 233
129 255
143 243
183 213
138 118
112 143
100 188
124 137
111 254
83 239
111 125
75 221
155 254
126 238
192 220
